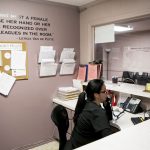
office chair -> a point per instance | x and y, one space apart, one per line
143 79
60 118
128 77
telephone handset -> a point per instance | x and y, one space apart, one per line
132 105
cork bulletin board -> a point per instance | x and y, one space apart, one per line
6 49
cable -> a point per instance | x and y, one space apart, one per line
118 116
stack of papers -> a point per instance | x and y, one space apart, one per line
68 93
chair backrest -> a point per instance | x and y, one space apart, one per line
128 77
59 116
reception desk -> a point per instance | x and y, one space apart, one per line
131 136
122 123
134 138
133 89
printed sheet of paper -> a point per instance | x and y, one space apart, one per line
67 55
11 46
68 49
6 83
77 84
67 68
17 73
68 61
46 54
18 60
47 68
46 47
51 60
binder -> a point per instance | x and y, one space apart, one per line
82 73
94 71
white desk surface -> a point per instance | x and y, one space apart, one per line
71 104
122 123
127 88
125 120
133 138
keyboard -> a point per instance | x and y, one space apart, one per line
137 120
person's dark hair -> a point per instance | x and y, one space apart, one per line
94 86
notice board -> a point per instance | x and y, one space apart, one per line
6 49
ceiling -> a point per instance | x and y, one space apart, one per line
74 2
137 24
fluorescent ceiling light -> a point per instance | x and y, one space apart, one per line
122 28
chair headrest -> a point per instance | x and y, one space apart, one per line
59 115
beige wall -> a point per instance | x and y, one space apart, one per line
104 13
25 113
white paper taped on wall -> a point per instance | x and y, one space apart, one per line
6 83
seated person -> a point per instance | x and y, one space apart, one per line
91 120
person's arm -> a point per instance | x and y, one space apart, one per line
108 108
103 133
106 132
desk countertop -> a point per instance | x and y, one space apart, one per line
134 89
71 104
133 138
122 123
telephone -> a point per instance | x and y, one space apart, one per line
132 105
